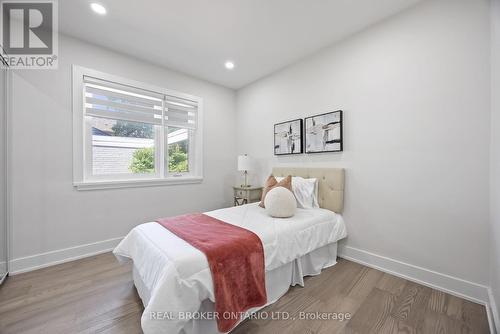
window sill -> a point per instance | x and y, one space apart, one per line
97 185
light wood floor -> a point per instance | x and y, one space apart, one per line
97 295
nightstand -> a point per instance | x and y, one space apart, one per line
245 195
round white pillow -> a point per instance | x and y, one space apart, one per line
280 203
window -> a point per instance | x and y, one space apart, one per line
131 134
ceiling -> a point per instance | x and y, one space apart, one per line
198 36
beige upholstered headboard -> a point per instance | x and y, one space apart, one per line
331 184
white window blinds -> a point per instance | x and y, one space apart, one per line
111 100
180 112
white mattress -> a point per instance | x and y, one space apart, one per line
177 275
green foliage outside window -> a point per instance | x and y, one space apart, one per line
143 161
132 129
177 159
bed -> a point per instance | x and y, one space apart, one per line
173 278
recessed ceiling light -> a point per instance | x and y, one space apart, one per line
229 65
98 8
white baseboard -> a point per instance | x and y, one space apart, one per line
38 261
493 316
446 283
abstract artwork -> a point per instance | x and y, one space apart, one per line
324 133
288 137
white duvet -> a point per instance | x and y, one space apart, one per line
178 276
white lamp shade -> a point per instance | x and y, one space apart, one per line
244 163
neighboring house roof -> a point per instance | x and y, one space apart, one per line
97 132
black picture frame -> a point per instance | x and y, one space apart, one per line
337 118
297 143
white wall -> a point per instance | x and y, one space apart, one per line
48 213
415 92
495 160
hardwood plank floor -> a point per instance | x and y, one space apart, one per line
97 295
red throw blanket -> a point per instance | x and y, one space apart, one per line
236 259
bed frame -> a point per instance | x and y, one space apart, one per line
331 184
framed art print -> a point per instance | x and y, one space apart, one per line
288 137
324 132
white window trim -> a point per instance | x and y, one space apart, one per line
79 164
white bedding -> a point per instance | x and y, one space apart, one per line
177 275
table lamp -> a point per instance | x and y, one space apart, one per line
244 165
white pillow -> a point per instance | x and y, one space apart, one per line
305 191
280 203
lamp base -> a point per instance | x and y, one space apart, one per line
246 185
